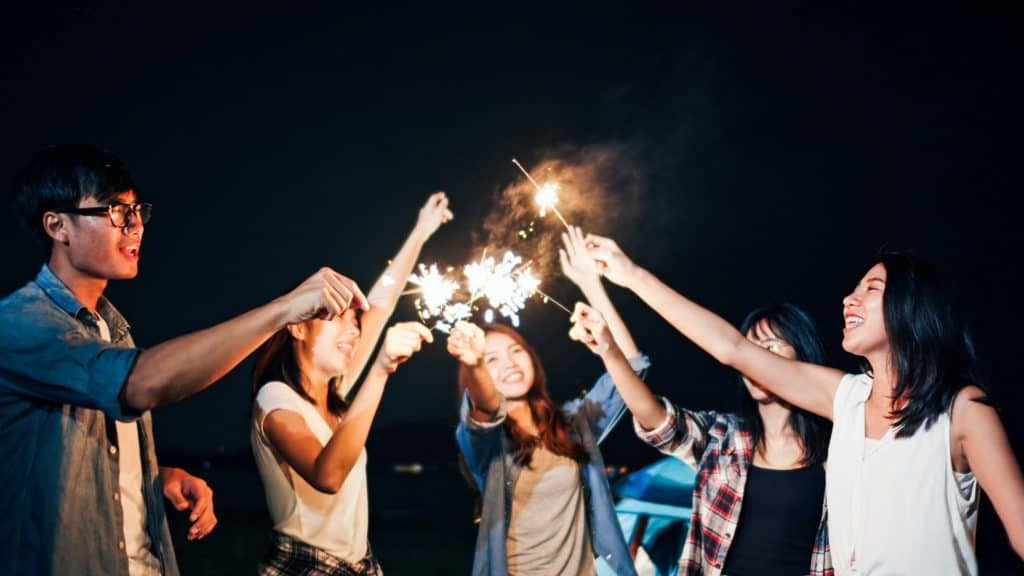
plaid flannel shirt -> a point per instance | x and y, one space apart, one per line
724 449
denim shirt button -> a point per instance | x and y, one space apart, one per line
117 496
607 556
120 544
113 449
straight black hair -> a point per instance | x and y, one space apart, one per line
789 323
930 345
59 177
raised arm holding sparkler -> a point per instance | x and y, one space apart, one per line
384 295
579 267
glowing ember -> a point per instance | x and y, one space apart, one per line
547 197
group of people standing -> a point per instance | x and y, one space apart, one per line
817 472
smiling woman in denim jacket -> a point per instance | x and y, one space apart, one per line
547 506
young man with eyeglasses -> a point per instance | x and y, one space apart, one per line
81 484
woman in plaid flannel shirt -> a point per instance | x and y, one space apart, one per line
913 437
758 503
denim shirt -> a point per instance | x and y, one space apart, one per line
485 448
60 510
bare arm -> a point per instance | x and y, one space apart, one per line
590 328
187 364
804 385
980 445
326 467
466 343
384 295
578 267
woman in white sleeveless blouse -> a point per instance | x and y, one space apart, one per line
913 436
309 440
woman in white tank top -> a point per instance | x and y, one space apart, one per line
308 440
912 438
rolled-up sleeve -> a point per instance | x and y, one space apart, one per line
52 359
466 414
661 434
479 441
603 404
683 434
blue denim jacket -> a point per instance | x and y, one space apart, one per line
59 389
486 452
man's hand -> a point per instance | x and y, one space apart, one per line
187 492
323 295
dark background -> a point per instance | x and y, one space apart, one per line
780 146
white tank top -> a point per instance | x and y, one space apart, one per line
335 523
895 505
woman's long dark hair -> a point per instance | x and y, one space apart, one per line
275 361
930 345
793 325
555 434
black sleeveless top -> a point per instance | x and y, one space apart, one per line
778 523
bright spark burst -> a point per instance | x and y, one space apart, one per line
547 197
506 284
436 291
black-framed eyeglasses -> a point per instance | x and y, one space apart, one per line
118 212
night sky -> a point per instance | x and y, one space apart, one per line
767 152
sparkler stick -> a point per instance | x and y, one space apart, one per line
546 195
525 173
553 301
531 284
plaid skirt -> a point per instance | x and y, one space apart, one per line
290 557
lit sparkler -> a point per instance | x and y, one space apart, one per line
506 284
436 293
547 195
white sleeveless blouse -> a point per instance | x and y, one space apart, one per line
895 505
